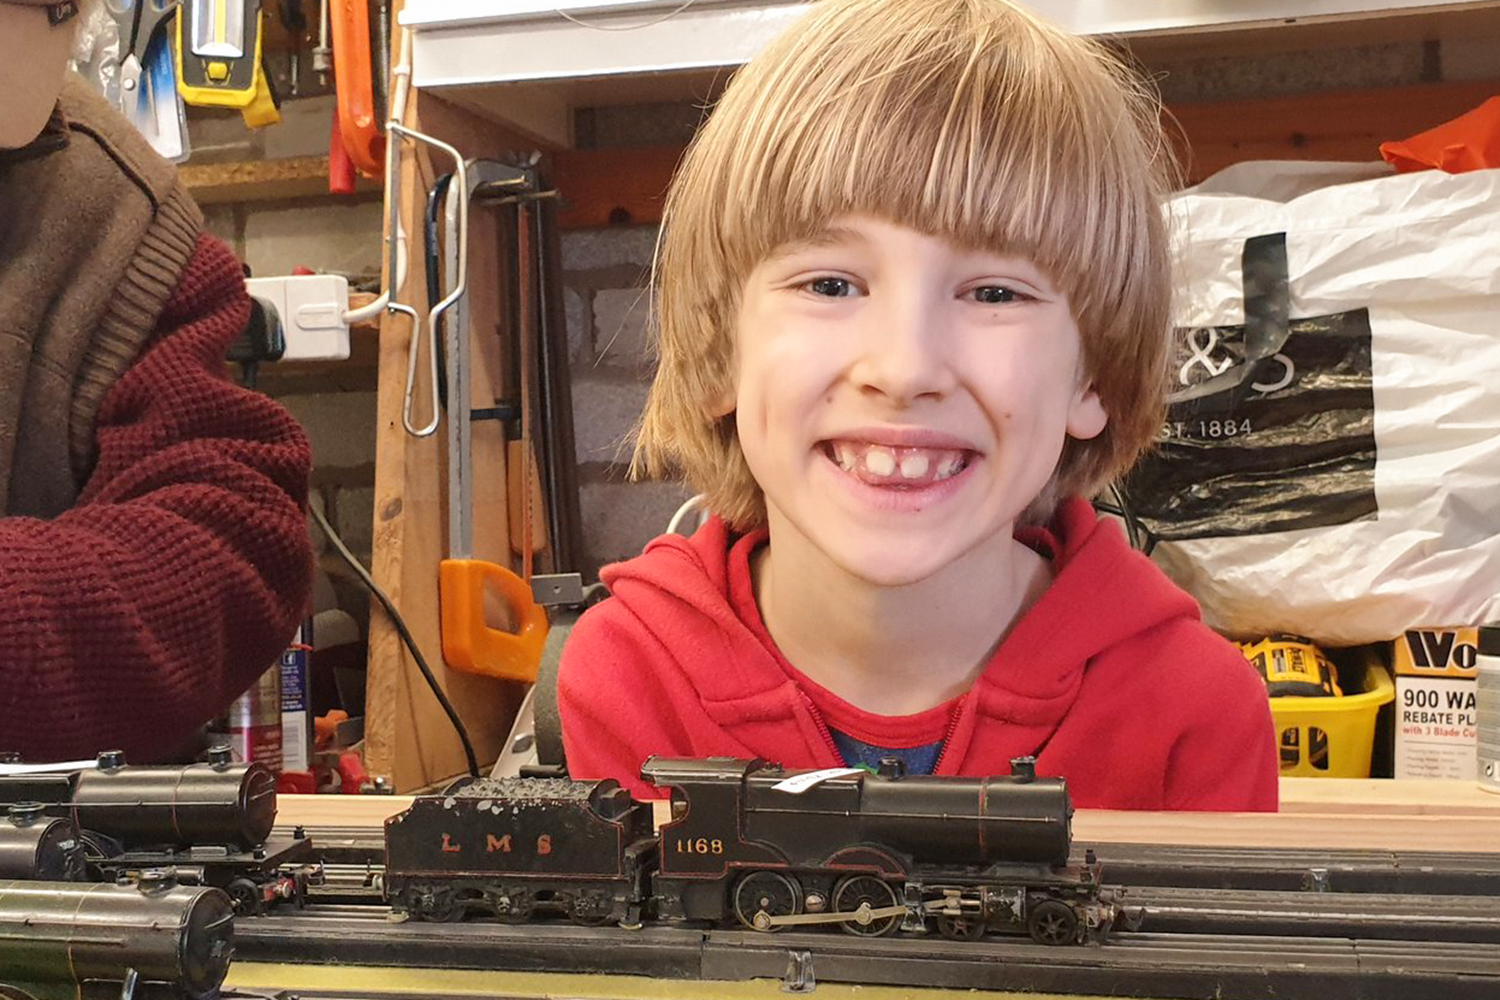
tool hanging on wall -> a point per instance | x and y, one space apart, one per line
219 59
354 83
294 21
145 85
469 643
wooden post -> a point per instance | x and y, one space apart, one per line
408 737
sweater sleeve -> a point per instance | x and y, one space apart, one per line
1225 759
614 707
180 574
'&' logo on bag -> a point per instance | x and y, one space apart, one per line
1204 344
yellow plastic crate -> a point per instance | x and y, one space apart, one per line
1332 737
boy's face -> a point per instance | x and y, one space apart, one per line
901 400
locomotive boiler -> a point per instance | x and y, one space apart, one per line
171 941
218 802
36 846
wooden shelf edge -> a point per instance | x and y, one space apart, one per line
263 180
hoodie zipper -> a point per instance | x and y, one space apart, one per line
948 736
818 721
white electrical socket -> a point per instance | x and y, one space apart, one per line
312 311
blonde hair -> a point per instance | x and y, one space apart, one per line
968 119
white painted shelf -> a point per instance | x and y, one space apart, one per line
547 56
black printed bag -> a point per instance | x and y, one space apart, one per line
1331 461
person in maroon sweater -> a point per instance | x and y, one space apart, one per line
154 555
913 291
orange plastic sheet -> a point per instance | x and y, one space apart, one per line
1469 142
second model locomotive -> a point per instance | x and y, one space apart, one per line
755 844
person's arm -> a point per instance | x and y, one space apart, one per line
1226 759
182 571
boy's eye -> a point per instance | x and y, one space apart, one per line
995 295
833 288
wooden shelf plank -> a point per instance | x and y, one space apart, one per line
262 180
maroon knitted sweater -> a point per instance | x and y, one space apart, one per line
181 572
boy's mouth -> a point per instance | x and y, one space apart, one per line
896 468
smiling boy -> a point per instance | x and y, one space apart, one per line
912 293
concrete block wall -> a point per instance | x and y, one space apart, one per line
605 272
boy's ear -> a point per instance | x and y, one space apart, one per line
1086 416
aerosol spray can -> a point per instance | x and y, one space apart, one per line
1487 708
251 727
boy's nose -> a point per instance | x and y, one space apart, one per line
902 355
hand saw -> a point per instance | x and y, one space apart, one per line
469 643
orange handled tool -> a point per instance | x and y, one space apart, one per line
349 21
469 643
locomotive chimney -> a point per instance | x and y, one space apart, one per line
24 813
220 757
892 767
1023 769
111 760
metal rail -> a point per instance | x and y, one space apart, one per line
1184 965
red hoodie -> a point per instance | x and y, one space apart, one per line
1110 679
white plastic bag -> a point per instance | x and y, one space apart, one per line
1340 477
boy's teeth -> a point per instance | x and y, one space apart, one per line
882 465
844 452
880 461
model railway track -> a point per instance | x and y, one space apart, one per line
1374 916
1176 965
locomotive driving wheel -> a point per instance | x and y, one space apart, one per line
766 894
962 927
857 895
1052 922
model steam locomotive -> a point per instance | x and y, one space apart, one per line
209 824
751 843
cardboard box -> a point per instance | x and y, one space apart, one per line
1436 730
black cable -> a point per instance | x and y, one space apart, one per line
434 277
405 633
